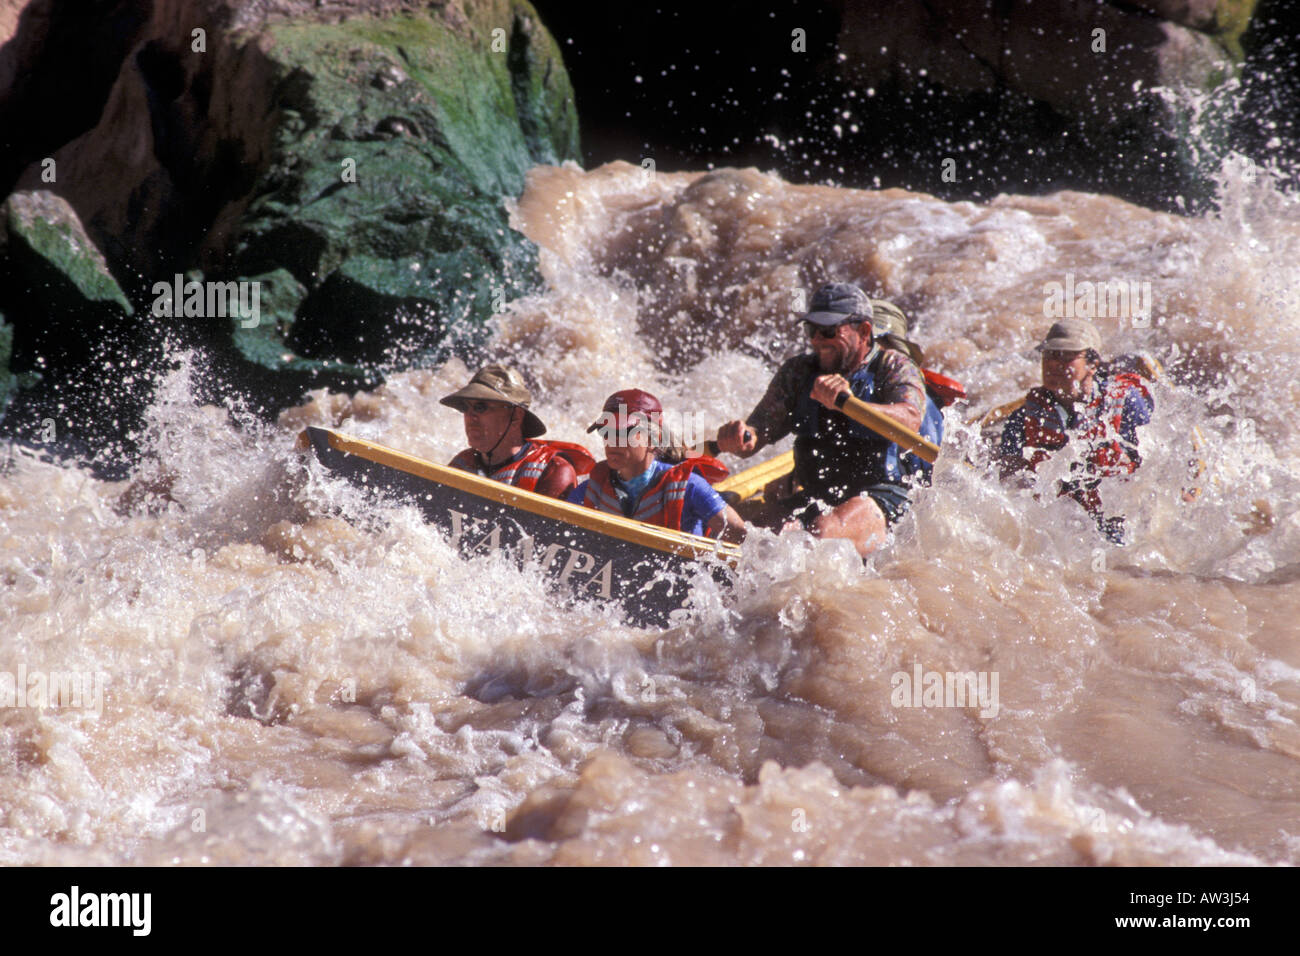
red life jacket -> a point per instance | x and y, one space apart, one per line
527 470
663 501
1098 426
942 389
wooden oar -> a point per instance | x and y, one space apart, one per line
883 425
751 481
995 415
754 479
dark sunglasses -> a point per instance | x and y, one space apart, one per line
816 331
621 435
480 407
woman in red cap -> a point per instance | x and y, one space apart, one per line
633 482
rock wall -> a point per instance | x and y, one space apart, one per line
1081 57
353 157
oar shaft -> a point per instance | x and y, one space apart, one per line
883 425
752 480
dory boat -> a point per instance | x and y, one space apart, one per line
601 557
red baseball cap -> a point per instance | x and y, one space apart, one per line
626 402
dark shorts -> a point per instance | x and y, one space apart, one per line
892 500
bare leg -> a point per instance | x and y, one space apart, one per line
858 519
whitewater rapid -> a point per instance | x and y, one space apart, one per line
293 672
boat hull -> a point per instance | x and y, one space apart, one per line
644 569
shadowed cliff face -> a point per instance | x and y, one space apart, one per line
352 160
1080 59
881 95
95 36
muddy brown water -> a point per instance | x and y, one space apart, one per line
281 670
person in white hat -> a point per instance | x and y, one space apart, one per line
1079 400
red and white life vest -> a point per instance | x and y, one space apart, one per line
663 501
1098 427
527 470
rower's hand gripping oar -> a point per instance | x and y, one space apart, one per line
752 480
881 424
711 446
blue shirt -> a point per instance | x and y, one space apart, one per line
699 506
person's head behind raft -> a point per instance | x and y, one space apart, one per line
1071 358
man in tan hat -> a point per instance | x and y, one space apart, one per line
503 436
1079 400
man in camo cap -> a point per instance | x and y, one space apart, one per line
890 326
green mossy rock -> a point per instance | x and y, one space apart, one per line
55 286
267 365
279 295
43 240
8 380
398 141
1232 19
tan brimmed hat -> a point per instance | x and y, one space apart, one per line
889 325
1071 335
496 383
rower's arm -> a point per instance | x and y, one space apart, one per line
727 524
772 418
902 412
558 480
899 391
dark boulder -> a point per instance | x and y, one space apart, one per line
353 157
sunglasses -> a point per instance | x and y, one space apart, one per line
481 407
816 331
621 435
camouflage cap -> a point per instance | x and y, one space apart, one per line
889 325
